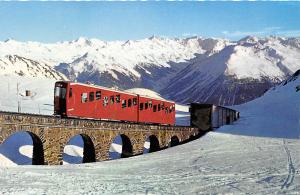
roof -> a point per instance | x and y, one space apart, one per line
114 90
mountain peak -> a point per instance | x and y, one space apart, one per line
249 39
83 41
13 64
155 37
193 37
10 40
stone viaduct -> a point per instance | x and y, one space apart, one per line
50 135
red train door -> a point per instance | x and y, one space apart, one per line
60 92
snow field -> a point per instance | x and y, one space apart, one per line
275 114
215 163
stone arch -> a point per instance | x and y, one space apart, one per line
126 147
174 141
151 144
120 147
192 137
89 154
37 150
88 149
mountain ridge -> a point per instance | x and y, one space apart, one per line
176 68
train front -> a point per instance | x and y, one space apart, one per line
60 91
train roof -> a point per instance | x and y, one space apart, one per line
210 105
114 90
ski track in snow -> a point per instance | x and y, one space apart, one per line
291 170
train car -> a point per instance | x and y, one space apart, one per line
208 116
88 101
95 102
153 110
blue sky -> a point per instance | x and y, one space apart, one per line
57 21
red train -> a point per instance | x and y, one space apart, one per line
95 102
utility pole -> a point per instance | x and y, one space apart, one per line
19 103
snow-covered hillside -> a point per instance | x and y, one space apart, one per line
240 72
13 89
216 163
16 65
275 114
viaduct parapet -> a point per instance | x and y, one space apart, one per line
51 134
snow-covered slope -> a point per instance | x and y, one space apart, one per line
215 164
275 114
17 65
39 102
240 72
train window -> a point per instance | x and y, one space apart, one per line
56 91
171 109
98 95
150 104
141 106
123 103
154 108
63 92
158 107
105 101
146 105
70 92
162 106
118 98
167 110
129 102
112 99
84 97
134 101
60 92
91 96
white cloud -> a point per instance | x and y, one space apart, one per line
189 34
290 33
264 32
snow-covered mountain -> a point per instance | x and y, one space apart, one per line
123 64
238 73
21 66
189 69
275 114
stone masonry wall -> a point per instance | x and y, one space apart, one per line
55 133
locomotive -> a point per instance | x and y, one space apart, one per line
78 100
